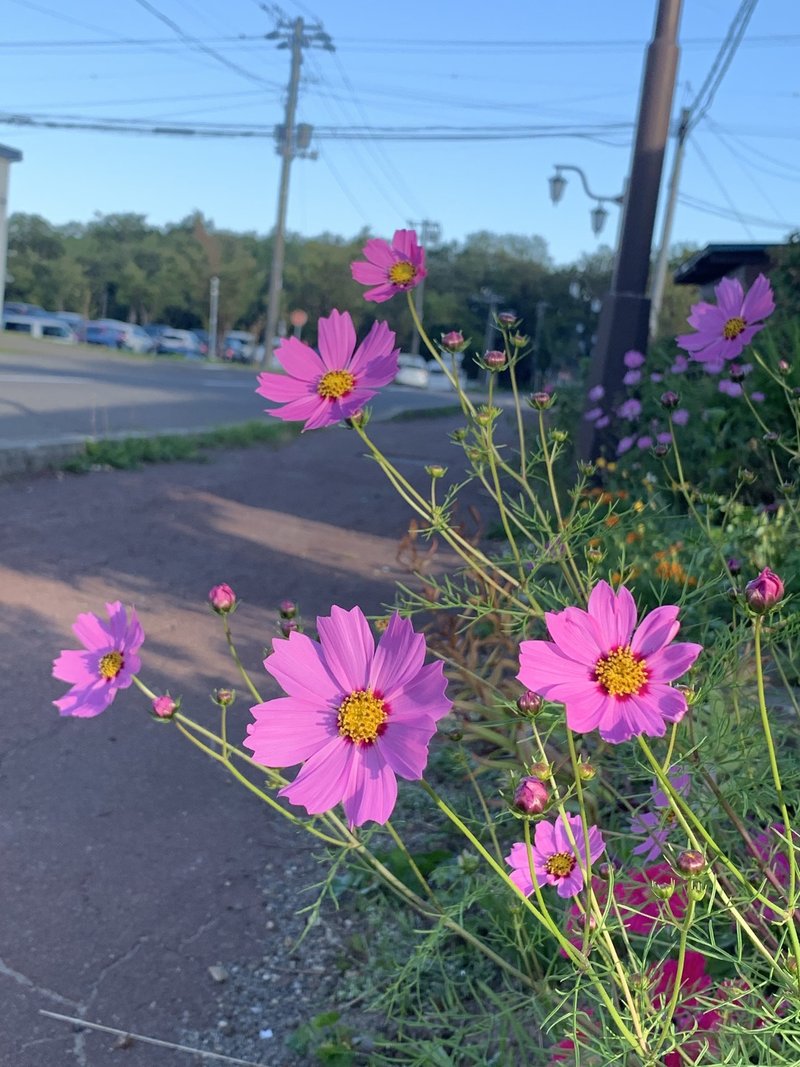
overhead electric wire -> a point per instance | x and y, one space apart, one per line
722 61
742 164
714 209
738 215
200 46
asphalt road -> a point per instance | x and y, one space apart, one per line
59 395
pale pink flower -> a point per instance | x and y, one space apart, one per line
612 675
556 861
390 268
334 385
725 328
355 716
107 662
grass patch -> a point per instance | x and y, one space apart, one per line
130 453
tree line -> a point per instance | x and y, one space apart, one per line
119 266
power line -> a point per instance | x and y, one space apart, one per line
722 61
737 214
714 209
200 46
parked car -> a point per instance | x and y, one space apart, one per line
179 343
40 326
203 338
14 307
73 319
238 346
412 371
116 334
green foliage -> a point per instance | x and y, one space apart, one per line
133 452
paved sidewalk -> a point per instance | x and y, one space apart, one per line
130 863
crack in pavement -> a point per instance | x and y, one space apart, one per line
79 1042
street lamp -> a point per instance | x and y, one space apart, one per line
598 214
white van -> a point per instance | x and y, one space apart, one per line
40 327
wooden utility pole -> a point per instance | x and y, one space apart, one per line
660 269
296 36
624 319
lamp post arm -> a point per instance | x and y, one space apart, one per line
593 196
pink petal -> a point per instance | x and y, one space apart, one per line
298 666
306 408
287 731
281 387
381 293
421 698
577 635
544 839
584 707
322 781
703 314
348 647
325 413
671 702
404 746
376 250
671 662
571 885
299 360
337 339
730 296
376 345
399 656
656 630
93 632
543 665
77 667
86 703
372 790
759 303
615 615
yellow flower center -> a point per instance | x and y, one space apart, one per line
621 672
361 716
402 273
733 327
110 665
560 864
335 384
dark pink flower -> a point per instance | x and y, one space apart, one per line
632 377
633 359
725 328
764 592
531 796
454 341
690 1014
164 707
355 715
334 385
222 598
390 268
107 662
680 417
630 409
624 445
555 860
640 910
611 675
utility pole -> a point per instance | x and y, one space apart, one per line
660 270
292 140
7 157
624 320
429 232
213 317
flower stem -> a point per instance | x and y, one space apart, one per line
235 657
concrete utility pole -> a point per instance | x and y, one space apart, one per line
7 157
660 270
624 320
291 141
213 317
428 232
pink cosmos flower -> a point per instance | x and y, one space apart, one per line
632 377
630 409
639 909
633 359
597 392
593 414
625 444
390 268
680 366
691 1016
725 328
680 417
730 388
334 385
657 825
610 674
355 715
555 859
106 663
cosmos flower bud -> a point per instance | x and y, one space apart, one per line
746 476
661 449
164 707
763 592
734 565
670 399
288 609
454 341
541 401
662 890
507 318
222 599
531 796
519 340
224 697
359 418
736 372
691 862
529 703
495 360
586 772
288 626
436 470
559 436
770 438
784 366
542 771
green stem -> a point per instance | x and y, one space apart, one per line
676 988
498 492
235 657
410 860
466 404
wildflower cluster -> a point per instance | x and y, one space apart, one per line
616 806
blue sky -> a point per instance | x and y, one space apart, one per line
422 63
